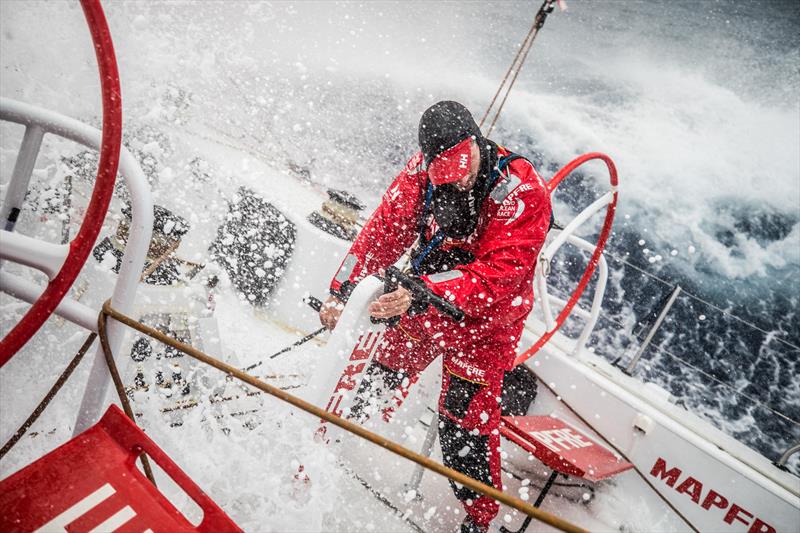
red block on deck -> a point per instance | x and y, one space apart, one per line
562 447
92 482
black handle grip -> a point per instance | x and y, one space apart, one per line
420 291
313 302
390 284
447 308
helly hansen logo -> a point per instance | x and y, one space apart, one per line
88 509
560 440
463 160
707 498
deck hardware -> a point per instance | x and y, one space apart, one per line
781 463
427 449
539 500
338 215
643 423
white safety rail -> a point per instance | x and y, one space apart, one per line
567 236
48 258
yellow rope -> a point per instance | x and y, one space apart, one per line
318 412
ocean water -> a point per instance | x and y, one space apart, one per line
697 103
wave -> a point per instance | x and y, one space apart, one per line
696 102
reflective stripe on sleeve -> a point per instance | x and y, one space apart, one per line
445 276
346 269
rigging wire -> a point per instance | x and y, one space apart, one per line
519 60
326 416
711 377
770 334
736 391
522 47
73 364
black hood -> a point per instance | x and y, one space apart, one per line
442 126
482 186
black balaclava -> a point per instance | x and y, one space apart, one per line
442 126
456 211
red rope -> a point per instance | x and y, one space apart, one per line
101 196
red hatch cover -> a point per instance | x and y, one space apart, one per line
562 447
92 483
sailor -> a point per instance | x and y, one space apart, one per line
474 216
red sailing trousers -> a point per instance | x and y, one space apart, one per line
469 403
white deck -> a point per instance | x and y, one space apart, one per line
250 471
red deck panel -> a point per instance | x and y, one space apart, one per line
92 481
562 447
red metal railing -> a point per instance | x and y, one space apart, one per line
82 244
605 232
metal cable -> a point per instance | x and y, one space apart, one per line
513 79
123 397
729 386
704 301
519 61
711 377
522 47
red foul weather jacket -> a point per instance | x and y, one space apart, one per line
495 291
